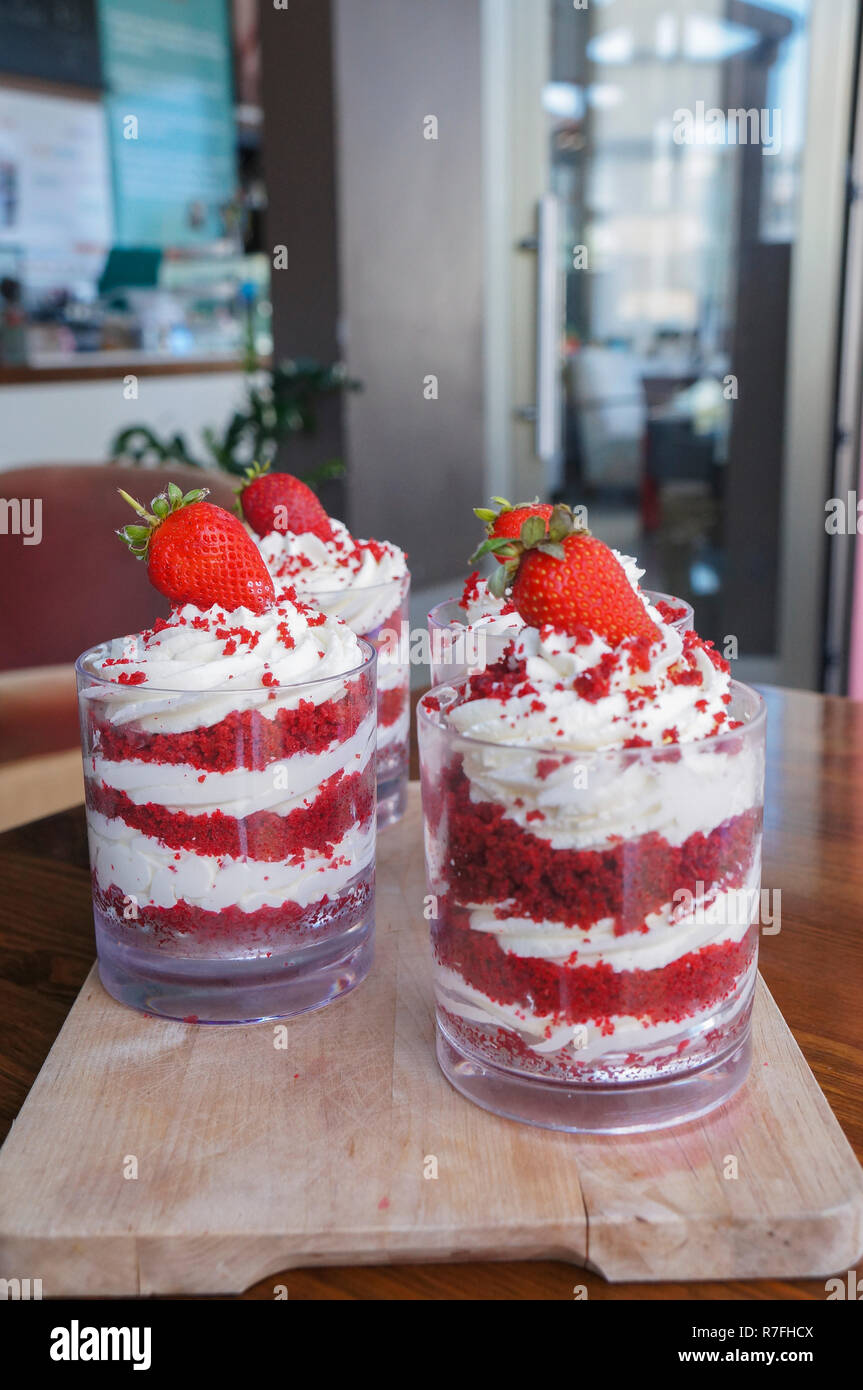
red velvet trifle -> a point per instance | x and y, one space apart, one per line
593 807
230 786
364 582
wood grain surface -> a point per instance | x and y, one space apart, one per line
814 967
251 1157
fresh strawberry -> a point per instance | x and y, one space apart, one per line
506 523
198 553
563 576
280 502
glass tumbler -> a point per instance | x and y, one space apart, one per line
596 928
232 842
380 614
457 651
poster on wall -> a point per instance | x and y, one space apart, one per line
167 69
53 154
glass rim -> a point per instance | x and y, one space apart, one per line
650 594
370 656
661 751
311 596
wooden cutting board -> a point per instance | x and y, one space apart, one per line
253 1158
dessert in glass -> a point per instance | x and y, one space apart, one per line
593 807
230 786
364 582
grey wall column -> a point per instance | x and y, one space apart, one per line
384 230
300 171
411 237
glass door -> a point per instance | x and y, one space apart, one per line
660 155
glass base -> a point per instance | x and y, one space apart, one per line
235 990
627 1108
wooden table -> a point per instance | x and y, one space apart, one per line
813 853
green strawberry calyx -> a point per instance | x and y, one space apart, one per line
535 534
250 475
173 499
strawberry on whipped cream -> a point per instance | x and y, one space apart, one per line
593 821
470 633
499 617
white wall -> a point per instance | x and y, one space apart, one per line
75 421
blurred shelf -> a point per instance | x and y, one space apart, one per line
103 366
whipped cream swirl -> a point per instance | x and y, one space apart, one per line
316 566
361 582
577 693
221 662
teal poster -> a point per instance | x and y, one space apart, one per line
169 103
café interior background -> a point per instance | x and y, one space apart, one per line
537 260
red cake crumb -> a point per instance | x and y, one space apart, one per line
591 993
498 680
198 929
392 704
342 801
669 612
242 739
470 593
493 860
595 683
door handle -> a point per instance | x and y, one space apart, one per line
546 414
548 302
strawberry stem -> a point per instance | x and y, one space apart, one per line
142 511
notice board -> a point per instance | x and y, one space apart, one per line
168 73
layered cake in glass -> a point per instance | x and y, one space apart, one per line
230 788
593 814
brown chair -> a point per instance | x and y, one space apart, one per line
78 586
